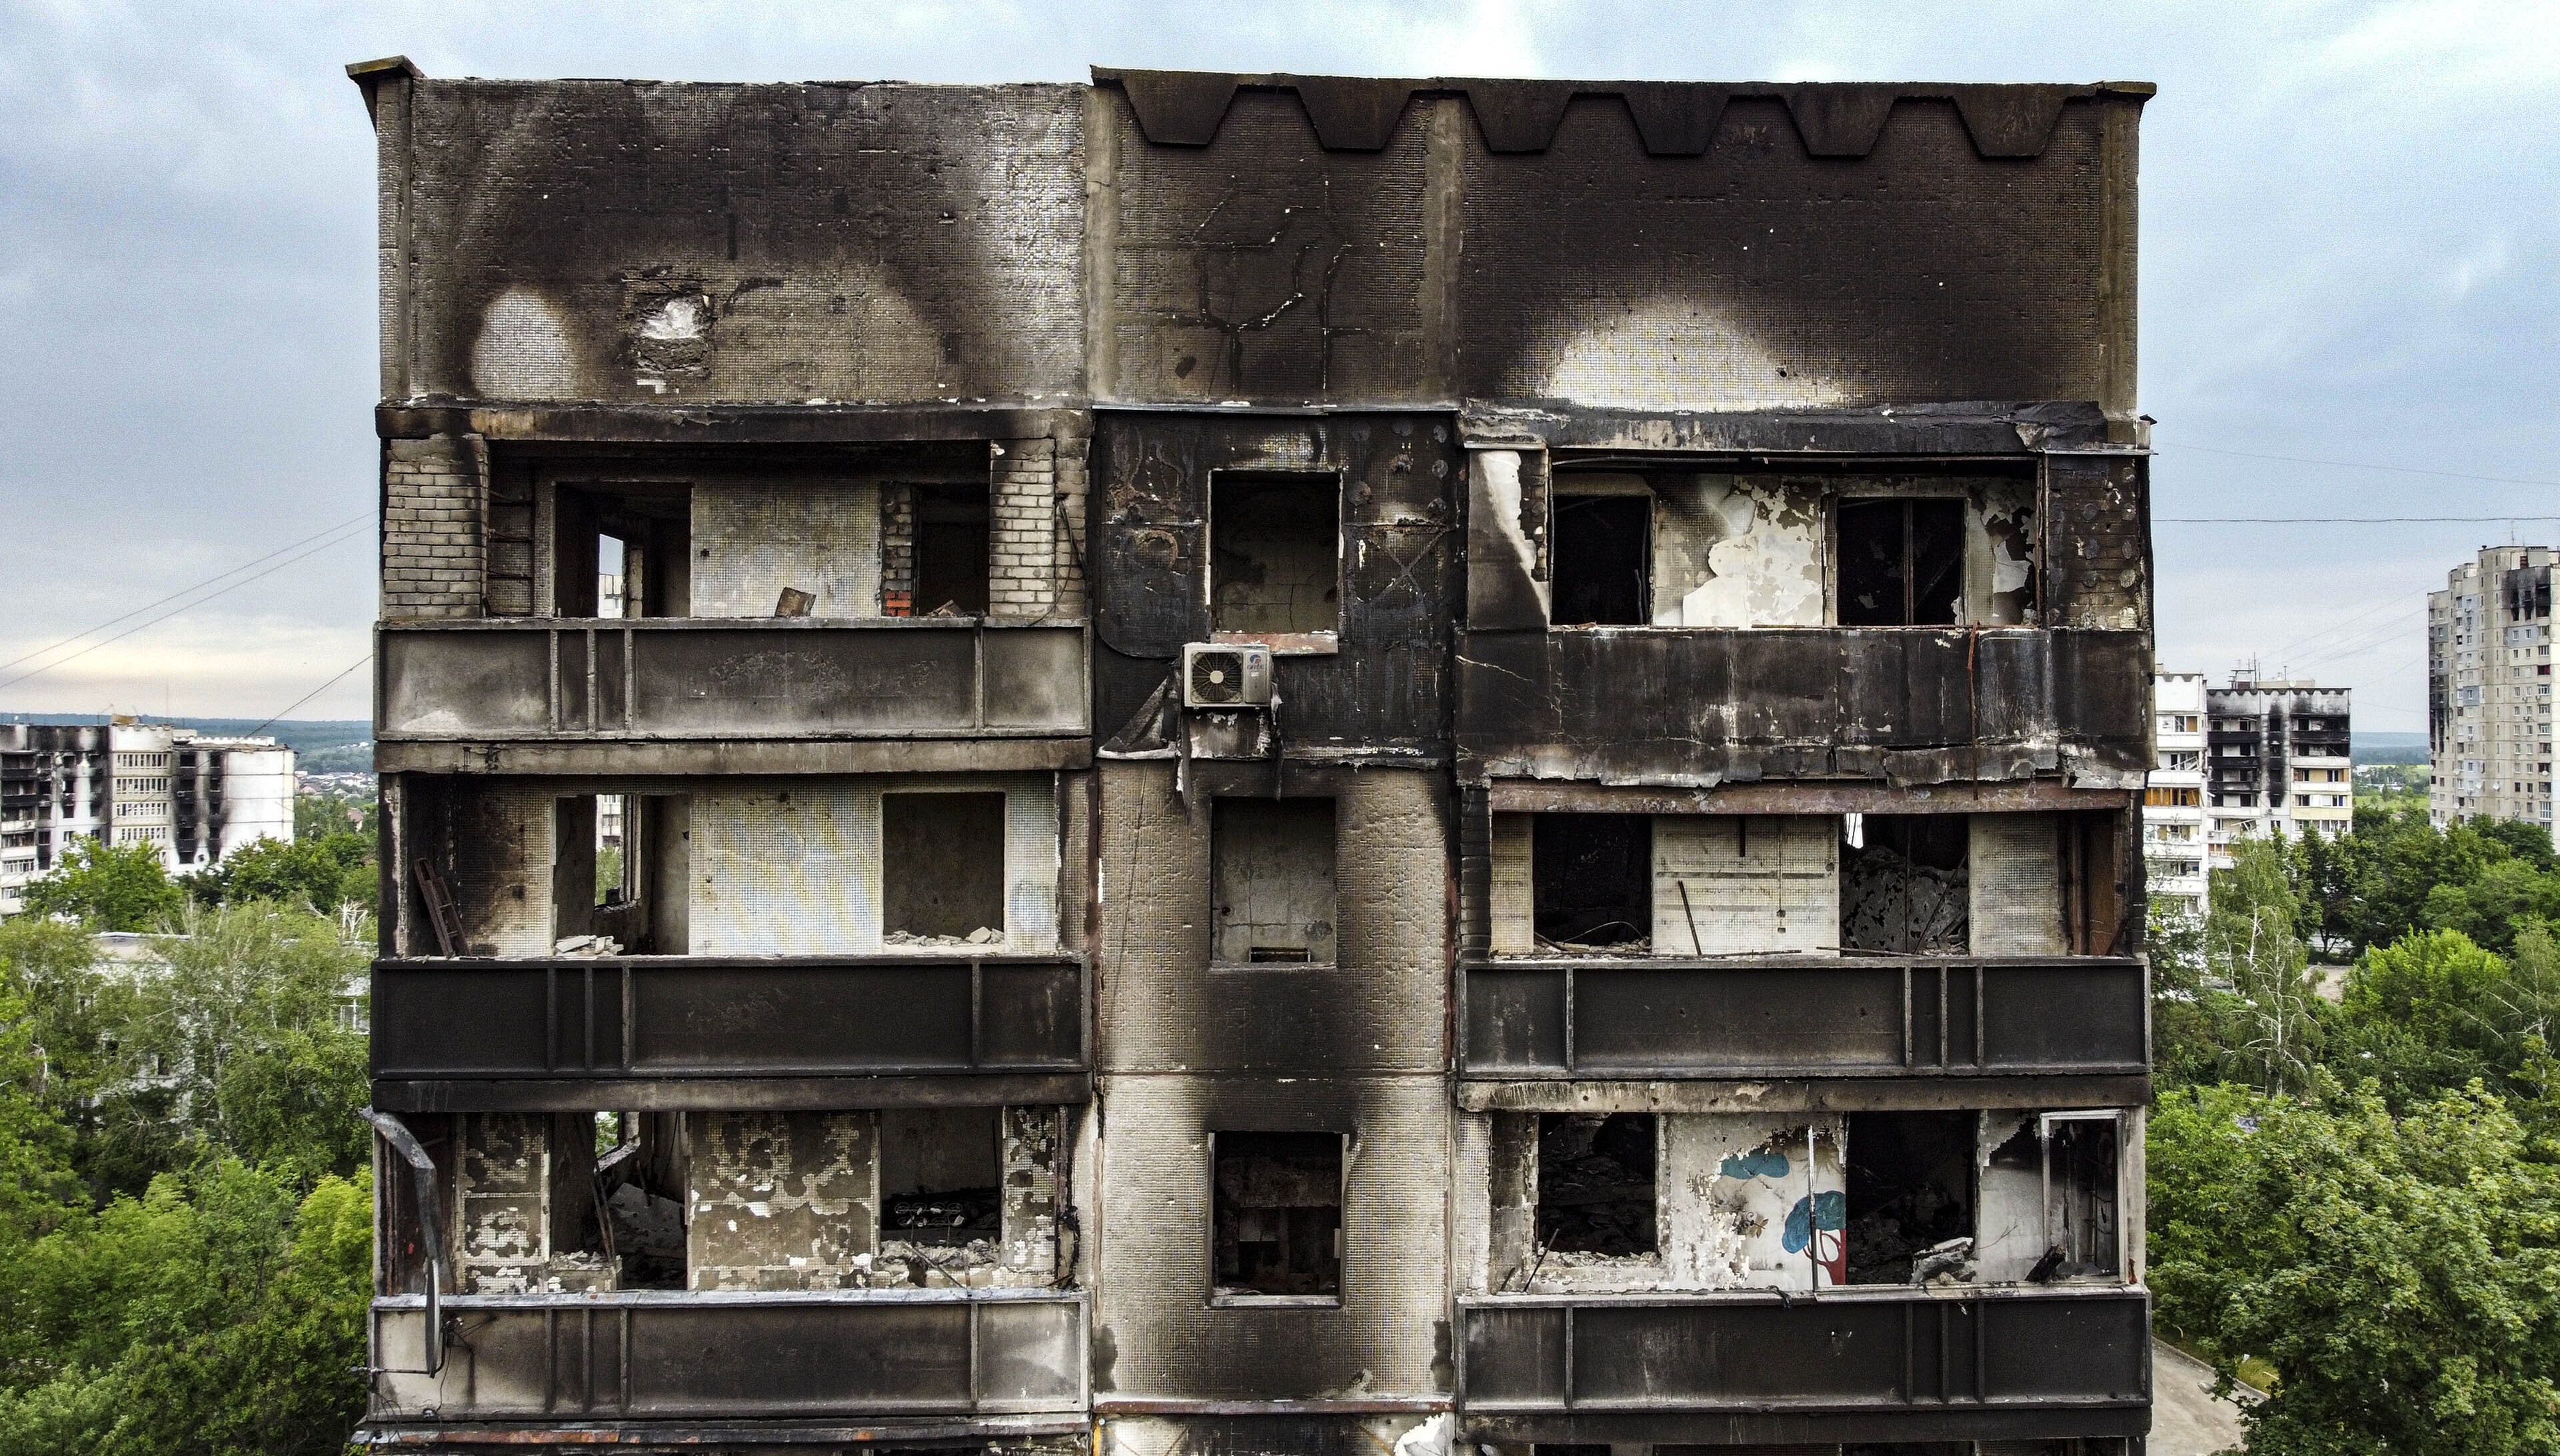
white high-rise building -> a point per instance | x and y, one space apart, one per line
2489 689
2173 832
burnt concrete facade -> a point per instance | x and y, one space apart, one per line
1254 763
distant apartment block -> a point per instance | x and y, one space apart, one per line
2276 762
195 797
2489 689
2173 827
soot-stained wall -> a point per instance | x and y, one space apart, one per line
647 241
1383 687
1280 238
1188 1049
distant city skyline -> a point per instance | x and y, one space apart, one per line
2344 256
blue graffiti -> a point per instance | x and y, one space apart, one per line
1830 1211
1765 1163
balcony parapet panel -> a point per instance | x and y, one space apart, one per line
1702 707
1896 1023
658 1032
1879 1364
658 1356
724 678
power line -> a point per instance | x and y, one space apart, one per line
2339 520
173 611
2286 651
174 595
2368 466
307 697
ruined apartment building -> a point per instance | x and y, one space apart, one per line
1295 764
2489 689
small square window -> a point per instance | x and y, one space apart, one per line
942 868
1595 1182
1275 555
1277 1200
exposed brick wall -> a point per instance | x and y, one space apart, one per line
1074 443
433 553
1021 563
897 549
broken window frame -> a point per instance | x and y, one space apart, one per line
583 497
1652 1257
1969 524
1214 1296
1311 642
997 855
2114 1119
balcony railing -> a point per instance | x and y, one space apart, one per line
659 1356
1623 704
580 1021
1804 1016
1856 1364
728 678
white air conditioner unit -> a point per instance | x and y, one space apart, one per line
1226 675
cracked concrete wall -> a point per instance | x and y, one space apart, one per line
781 1199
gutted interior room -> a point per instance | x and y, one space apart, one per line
1717 884
953 863
916 530
1688 548
572 1202
1276 1217
1638 1200
1271 876
1275 555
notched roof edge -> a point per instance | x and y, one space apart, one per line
1675 118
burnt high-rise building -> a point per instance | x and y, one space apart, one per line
1260 763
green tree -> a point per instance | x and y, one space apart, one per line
317 874
36 1181
2401 1273
107 887
216 1313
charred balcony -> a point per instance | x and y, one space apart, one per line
659 1032
1705 622
1882 1364
1888 1026
936 1363
719 683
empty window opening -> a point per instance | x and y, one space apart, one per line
1910 1197
621 551
938 1185
1595 1182
1901 563
2080 1216
1905 889
1603 560
1271 861
1275 558
942 869
614 865
951 535
1592 878
640 1186
1278 1202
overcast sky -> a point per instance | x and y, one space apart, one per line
2349 214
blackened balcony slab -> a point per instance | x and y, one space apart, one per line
665 1031
682 678
1804 1016
1856 1364
662 1356
1707 706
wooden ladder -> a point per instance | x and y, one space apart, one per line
440 912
